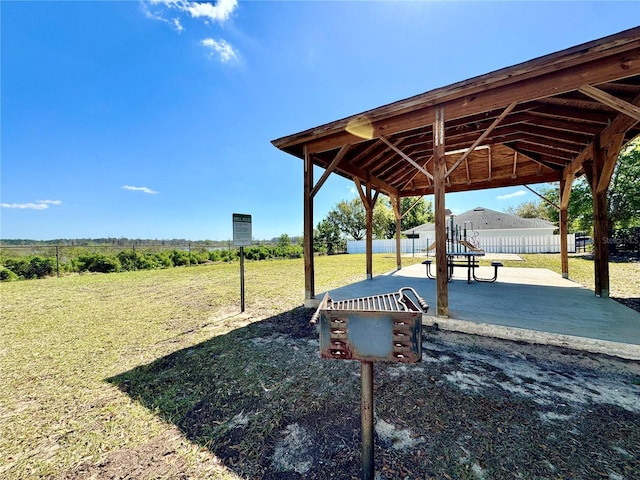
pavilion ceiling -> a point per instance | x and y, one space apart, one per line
531 123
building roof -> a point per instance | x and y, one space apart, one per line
481 218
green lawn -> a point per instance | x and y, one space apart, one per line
62 338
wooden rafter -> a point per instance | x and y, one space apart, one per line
484 134
614 102
565 194
542 197
343 151
412 206
406 157
416 173
618 126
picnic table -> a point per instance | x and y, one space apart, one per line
470 261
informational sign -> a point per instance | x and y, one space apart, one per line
241 230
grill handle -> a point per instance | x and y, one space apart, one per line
423 304
323 304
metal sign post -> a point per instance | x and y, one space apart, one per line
241 238
242 279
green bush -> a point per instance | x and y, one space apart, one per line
18 266
40 267
30 267
179 258
199 256
96 262
7 275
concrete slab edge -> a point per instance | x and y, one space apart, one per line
622 350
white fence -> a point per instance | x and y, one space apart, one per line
524 244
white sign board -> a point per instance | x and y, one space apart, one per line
241 230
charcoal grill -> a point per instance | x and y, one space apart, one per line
385 327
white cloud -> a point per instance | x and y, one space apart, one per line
39 205
221 11
222 48
177 25
519 193
174 22
138 189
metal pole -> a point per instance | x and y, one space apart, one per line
413 243
58 261
242 279
366 372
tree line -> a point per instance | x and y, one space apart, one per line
24 263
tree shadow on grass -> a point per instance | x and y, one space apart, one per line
263 401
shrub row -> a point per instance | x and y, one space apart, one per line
36 266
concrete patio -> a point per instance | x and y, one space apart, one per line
524 304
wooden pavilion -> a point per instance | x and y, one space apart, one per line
550 119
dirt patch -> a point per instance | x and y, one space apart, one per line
162 457
475 408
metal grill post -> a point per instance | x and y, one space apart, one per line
385 327
366 372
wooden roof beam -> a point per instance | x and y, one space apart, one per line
408 182
564 125
551 161
349 171
616 103
406 157
573 103
554 148
343 151
548 177
579 116
621 124
484 135
542 197
552 134
365 153
629 88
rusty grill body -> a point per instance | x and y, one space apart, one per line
385 327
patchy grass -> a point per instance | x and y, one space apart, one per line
62 337
155 374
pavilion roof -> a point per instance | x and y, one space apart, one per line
534 122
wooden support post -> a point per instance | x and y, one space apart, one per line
564 230
439 178
601 247
600 223
369 242
309 274
396 203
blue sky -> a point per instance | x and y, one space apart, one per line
153 119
